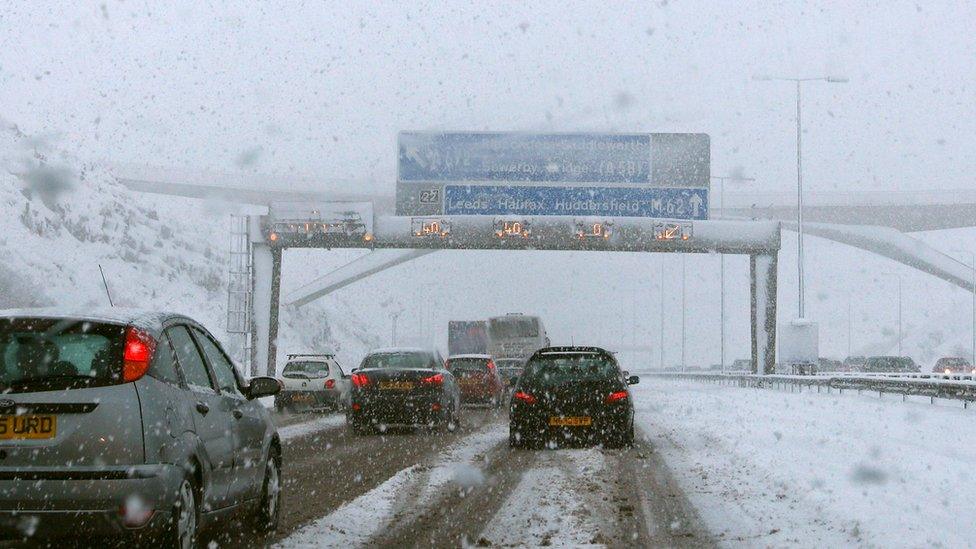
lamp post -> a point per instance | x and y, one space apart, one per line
393 337
799 170
899 308
721 180
972 266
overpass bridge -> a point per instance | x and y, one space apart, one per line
906 211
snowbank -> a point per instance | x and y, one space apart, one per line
771 468
60 218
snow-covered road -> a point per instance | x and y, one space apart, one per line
772 468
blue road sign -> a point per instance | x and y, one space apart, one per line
671 203
522 157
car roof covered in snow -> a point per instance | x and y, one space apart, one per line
390 350
469 355
115 315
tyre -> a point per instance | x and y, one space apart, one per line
269 508
513 439
453 421
182 533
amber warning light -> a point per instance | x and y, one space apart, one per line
509 228
594 229
426 227
673 231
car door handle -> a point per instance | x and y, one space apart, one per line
202 408
238 414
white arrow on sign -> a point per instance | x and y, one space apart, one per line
696 203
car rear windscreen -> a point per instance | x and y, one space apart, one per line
46 354
397 360
464 366
557 369
305 368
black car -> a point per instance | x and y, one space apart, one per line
572 394
403 386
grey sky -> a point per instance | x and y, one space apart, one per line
321 89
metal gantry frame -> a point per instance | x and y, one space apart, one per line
760 240
240 288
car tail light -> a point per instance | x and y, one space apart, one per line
330 384
491 365
436 379
360 380
355 406
435 407
524 397
139 348
616 397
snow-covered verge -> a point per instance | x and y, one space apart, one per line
770 468
61 218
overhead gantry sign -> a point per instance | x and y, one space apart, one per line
355 229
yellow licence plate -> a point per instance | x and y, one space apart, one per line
570 421
396 385
28 427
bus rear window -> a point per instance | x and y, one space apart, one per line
506 328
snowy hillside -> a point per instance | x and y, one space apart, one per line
62 218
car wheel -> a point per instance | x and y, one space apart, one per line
453 422
514 441
185 518
270 506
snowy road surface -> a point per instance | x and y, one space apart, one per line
416 489
714 465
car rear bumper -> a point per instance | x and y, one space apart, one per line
308 398
85 501
404 411
603 426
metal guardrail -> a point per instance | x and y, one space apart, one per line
932 386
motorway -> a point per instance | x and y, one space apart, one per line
469 487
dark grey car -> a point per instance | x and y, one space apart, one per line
128 423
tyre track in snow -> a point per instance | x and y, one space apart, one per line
325 469
460 512
614 498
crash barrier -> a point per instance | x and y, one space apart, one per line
932 386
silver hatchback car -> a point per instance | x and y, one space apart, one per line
128 423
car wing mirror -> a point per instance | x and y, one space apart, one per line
263 387
633 380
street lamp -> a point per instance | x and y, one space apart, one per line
899 308
799 167
722 179
972 266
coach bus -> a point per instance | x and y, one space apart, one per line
515 336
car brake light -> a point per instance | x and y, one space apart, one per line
139 348
616 397
491 365
330 384
524 397
360 380
435 379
